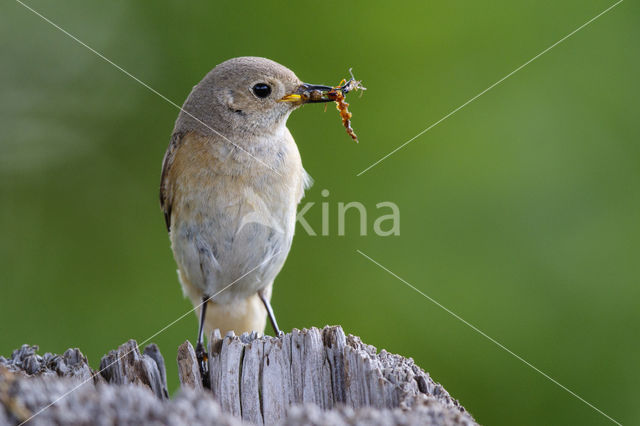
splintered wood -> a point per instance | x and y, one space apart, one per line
338 96
263 379
306 377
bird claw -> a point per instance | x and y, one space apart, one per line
203 364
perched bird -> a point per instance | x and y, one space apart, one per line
231 180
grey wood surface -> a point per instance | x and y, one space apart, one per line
316 377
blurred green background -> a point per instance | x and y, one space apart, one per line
520 212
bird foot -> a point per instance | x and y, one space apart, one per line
203 364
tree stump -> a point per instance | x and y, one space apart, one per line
316 377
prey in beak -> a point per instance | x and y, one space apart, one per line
316 93
313 93
309 93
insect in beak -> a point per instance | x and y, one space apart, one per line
311 93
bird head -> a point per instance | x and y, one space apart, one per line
249 96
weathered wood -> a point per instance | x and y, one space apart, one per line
152 351
260 378
315 377
426 413
249 388
128 365
188 370
29 399
72 364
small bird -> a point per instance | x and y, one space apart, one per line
231 181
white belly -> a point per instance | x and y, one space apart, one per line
231 235
234 245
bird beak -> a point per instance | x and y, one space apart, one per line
311 93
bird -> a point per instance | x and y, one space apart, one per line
232 178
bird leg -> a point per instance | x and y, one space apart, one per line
201 353
272 317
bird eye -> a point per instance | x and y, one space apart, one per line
261 90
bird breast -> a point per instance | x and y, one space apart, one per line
233 218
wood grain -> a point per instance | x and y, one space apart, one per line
306 377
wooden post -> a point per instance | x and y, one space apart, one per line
304 377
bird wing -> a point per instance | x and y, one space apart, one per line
166 200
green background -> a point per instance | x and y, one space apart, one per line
520 212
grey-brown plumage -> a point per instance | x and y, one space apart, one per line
231 180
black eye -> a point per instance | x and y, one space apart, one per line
261 90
